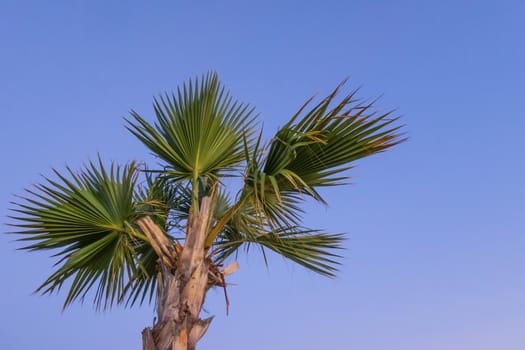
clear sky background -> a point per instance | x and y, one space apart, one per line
436 249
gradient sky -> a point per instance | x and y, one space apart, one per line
436 227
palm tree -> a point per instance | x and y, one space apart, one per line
131 234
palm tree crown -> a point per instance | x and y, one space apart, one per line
91 219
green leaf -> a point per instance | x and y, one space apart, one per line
199 131
309 248
313 150
87 217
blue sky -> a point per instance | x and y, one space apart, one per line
436 227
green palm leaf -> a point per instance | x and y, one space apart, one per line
87 217
309 248
199 131
312 150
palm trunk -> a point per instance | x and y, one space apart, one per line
185 281
179 326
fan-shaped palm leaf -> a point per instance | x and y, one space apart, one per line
312 150
199 131
88 218
309 248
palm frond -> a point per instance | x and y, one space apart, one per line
87 217
199 131
309 248
313 150
327 140
312 249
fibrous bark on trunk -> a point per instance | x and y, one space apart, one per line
185 281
